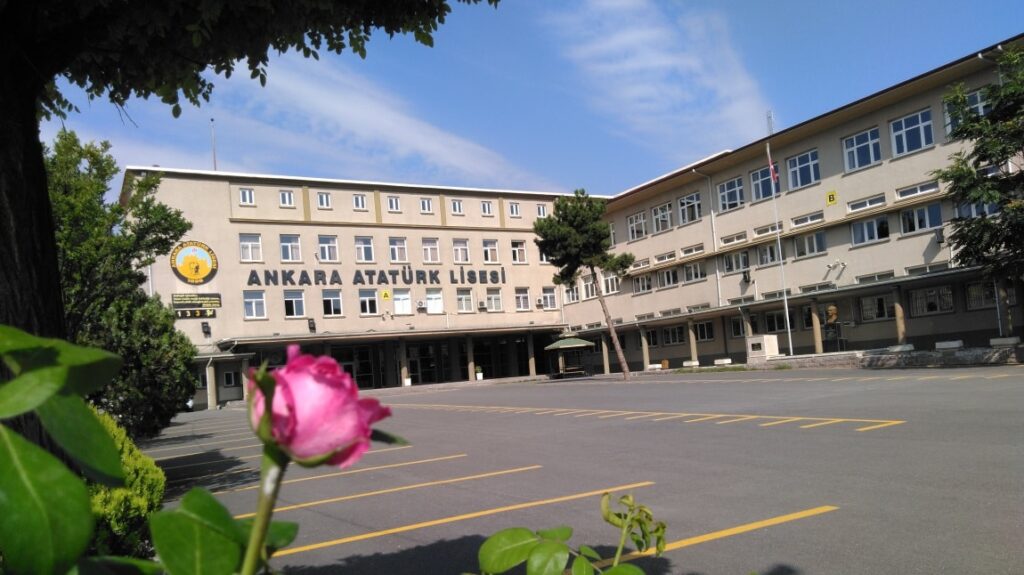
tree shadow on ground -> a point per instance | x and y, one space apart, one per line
779 569
445 557
216 475
170 440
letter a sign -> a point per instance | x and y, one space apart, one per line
385 295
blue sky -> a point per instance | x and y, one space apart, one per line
553 96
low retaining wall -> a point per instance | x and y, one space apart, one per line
944 358
838 360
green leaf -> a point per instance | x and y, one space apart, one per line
587 551
624 569
506 549
87 369
203 508
28 391
280 534
188 546
560 533
547 558
115 566
580 566
78 431
387 438
45 518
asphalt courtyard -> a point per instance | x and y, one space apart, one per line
782 472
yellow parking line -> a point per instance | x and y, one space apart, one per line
572 411
705 418
609 414
820 423
589 413
927 377
177 455
396 489
880 425
961 377
204 444
840 378
455 518
781 421
744 418
371 452
547 411
997 376
677 416
897 378
349 472
643 416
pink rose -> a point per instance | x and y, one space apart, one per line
317 411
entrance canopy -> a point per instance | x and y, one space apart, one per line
569 343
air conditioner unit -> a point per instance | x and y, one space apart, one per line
540 302
481 304
420 304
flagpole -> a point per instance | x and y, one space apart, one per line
778 243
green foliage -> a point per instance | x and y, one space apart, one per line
121 513
995 143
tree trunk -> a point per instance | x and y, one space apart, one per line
611 326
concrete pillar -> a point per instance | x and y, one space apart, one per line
211 386
604 353
561 362
747 328
816 327
901 322
646 352
403 363
454 368
691 336
470 361
245 378
531 357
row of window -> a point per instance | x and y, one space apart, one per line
324 201
251 250
255 306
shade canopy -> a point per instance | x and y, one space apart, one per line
569 343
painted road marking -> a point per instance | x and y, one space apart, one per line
677 416
231 427
456 518
371 452
397 489
349 472
879 426
998 376
644 415
705 418
781 421
247 431
178 455
204 444
744 418
610 414
821 423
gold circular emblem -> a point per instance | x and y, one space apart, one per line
194 262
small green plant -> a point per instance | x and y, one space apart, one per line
783 366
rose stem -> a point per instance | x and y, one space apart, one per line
271 473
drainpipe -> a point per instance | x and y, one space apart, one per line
714 234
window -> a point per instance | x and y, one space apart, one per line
694 272
705 330
332 302
547 298
290 251
542 210
862 150
808 219
736 261
543 257
491 251
875 277
865 203
611 232
435 301
692 250
254 305
877 307
394 204
931 301
983 295
774 321
921 218
246 197
464 300
513 209
673 335
457 207
803 169
665 257
431 251
873 230
572 293
735 238
976 210
768 254
251 247
323 200
287 198
637 225
611 282
912 191
769 229
976 104
823 286
359 202
927 268
808 321
689 208
364 249
730 194
589 287
518 251
651 335
669 277
327 248
738 329
486 208
522 299
493 299
397 250
294 303
231 379
662 217
809 244
762 185
426 205
368 302
911 133
402 300
642 284
460 251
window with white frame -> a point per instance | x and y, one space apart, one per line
673 335
931 300
637 226
925 188
983 295
976 210
877 307
665 257
803 169
287 198
522 299
490 251
736 261
486 208
730 194
611 282
768 254
513 209
519 251
769 229
254 305
661 216
927 268
689 208
398 250
589 287
542 210
290 251
876 277
460 251
774 321
810 244
457 207
911 133
402 300
736 327
327 248
642 284
976 104
866 203
246 197
761 184
367 302
611 232
323 200
431 251
734 239
494 299
705 330
294 303
572 293
778 294
870 230
364 249
862 150
464 300
542 257
332 302
435 300
359 202
692 250
547 298
251 247
426 205
921 218
808 219
651 335
694 271
394 204
668 277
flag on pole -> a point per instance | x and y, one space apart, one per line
771 169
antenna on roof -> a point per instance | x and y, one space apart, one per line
213 143
771 122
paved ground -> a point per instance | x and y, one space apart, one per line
784 472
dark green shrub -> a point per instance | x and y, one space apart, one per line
121 513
